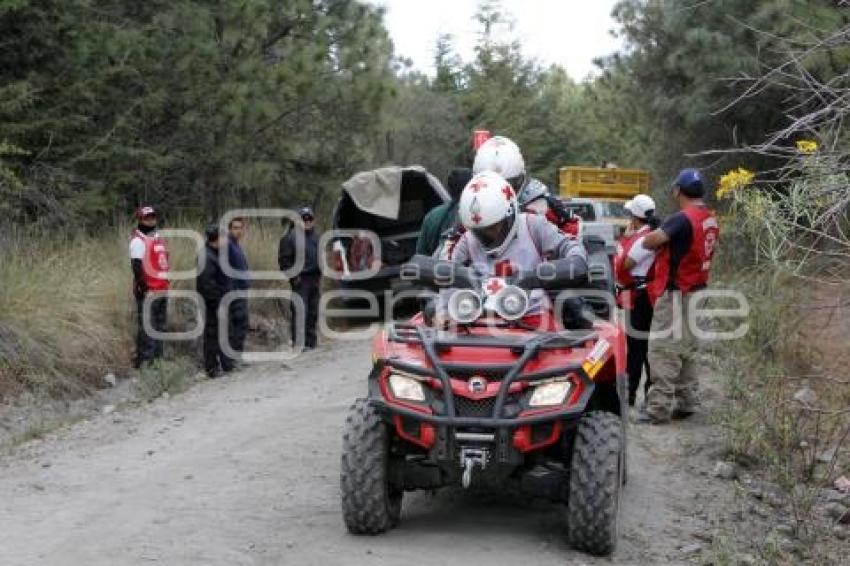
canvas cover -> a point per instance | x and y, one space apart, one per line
378 191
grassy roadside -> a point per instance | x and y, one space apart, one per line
786 421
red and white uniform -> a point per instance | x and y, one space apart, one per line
535 241
152 250
632 247
692 270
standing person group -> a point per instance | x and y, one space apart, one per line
659 268
685 244
149 262
213 283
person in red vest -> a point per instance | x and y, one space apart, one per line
149 262
633 269
685 243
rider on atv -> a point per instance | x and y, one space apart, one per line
501 155
507 393
500 240
536 198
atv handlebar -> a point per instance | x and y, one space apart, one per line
554 275
549 275
439 273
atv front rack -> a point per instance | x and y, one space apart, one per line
433 342
419 334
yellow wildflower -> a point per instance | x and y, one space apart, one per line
734 180
807 147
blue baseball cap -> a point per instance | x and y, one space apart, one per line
690 182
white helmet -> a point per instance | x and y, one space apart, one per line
641 206
487 200
501 155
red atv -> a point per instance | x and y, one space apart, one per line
502 396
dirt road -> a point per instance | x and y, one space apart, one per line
244 470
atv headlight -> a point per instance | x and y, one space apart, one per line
407 388
511 303
550 394
465 306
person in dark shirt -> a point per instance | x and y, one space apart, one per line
681 236
212 284
238 311
306 283
442 222
685 243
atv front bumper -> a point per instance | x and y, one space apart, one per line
446 420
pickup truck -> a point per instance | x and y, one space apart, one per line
599 193
596 220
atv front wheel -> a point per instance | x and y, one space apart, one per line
595 480
370 505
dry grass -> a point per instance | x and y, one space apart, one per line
65 313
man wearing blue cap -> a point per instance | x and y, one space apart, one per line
685 243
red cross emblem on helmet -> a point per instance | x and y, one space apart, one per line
508 192
475 209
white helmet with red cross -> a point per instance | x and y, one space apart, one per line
488 201
501 155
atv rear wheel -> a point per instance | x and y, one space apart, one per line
595 481
370 505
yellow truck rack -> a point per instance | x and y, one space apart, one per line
602 183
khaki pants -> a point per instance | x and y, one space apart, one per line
673 356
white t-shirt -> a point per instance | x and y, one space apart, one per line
642 257
137 248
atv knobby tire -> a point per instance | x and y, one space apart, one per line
595 480
369 504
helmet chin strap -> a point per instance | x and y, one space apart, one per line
509 237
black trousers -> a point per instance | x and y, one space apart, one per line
213 355
639 319
147 348
306 287
238 324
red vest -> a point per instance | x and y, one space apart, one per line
155 261
694 266
621 274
